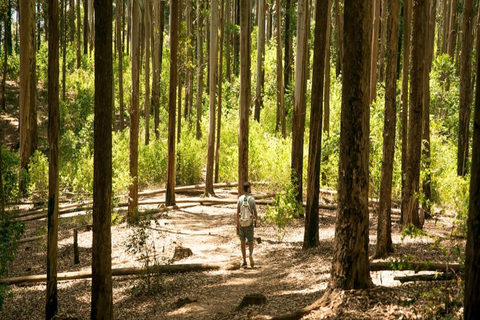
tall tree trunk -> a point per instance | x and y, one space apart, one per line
410 200
288 64
71 12
158 71
326 97
407 17
129 24
120 62
445 17
2 194
339 23
227 41
174 27
134 109
213 56
219 79
245 92
383 36
148 28
452 33
350 267
466 95
64 49
91 23
179 89
280 123
384 227
8 27
51 304
33 131
5 66
189 65
199 68
311 235
472 252
25 88
260 55
374 57
300 101
102 298
85 26
236 42
79 54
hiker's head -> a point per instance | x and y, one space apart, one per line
246 187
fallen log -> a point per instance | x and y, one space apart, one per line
30 239
416 266
427 277
187 188
162 269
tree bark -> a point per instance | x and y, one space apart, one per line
472 252
339 23
174 27
189 65
227 40
326 97
159 50
300 101
350 267
374 57
260 57
5 66
51 305
79 54
102 298
288 64
280 122
445 22
417 83
466 96
406 69
381 53
134 109
148 28
311 235
220 81
71 13
199 69
91 23
384 227
85 26
245 92
120 62
451 29
63 28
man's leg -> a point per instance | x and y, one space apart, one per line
244 254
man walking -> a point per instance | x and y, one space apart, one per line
246 220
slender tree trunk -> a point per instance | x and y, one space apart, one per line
260 54
384 227
199 68
311 235
300 101
51 305
451 29
159 50
2 194
219 108
85 26
134 109
148 28
213 56
472 252
179 89
189 64
129 24
410 200
339 23
174 27
245 92
102 298
236 43
227 41
326 103
8 27
445 17
33 131
383 36
350 267
63 28
5 66
91 27
406 68
374 58
288 64
280 123
466 95
120 63
79 54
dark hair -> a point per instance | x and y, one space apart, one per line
246 186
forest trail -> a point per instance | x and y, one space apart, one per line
287 275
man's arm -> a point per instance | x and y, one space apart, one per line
237 219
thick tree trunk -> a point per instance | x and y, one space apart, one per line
466 95
350 267
79 54
260 57
410 199
85 26
326 97
280 121
311 235
374 57
300 101
199 69
245 92
213 56
407 16
134 108
288 64
102 300
384 227
148 28
120 62
174 28
51 305
472 252
220 81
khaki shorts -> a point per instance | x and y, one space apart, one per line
246 232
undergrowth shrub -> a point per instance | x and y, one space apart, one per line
191 159
10 167
38 172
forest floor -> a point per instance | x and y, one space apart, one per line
288 276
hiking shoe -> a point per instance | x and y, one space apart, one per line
244 265
251 262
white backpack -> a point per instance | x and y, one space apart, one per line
246 216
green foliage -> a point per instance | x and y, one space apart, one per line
10 167
38 172
413 232
190 159
285 208
10 232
